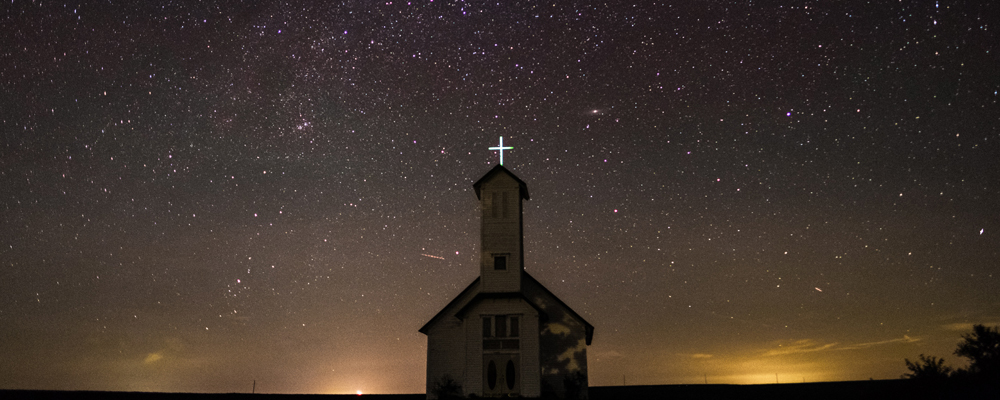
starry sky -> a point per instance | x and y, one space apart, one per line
196 196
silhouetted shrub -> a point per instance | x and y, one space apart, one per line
928 369
447 389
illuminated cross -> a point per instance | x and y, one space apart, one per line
500 148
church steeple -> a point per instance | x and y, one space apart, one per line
501 238
506 334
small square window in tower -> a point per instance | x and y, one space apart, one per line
500 263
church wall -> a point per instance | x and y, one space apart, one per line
446 353
444 358
473 357
529 353
564 358
563 349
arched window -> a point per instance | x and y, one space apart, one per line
511 375
491 375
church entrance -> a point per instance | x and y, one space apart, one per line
501 375
501 355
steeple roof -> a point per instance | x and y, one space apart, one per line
499 169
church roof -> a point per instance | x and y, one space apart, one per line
499 169
482 296
586 325
453 302
498 295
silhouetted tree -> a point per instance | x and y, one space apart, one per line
928 369
446 388
982 348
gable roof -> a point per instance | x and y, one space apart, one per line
499 169
480 296
441 314
587 326
499 295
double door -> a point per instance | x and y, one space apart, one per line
501 374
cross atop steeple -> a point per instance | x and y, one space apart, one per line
500 148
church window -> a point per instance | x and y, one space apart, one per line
494 204
511 373
500 263
501 326
491 375
504 204
501 332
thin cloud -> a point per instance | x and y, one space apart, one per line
811 346
904 339
153 357
609 354
964 326
801 346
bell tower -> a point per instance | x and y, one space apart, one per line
501 234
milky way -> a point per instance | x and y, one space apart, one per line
199 196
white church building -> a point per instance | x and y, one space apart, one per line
506 334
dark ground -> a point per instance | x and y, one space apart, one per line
56 394
855 390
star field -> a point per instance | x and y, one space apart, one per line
196 196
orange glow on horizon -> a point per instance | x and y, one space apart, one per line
767 378
769 370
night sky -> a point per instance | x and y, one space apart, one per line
194 197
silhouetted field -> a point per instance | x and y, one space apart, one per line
58 394
855 390
852 390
